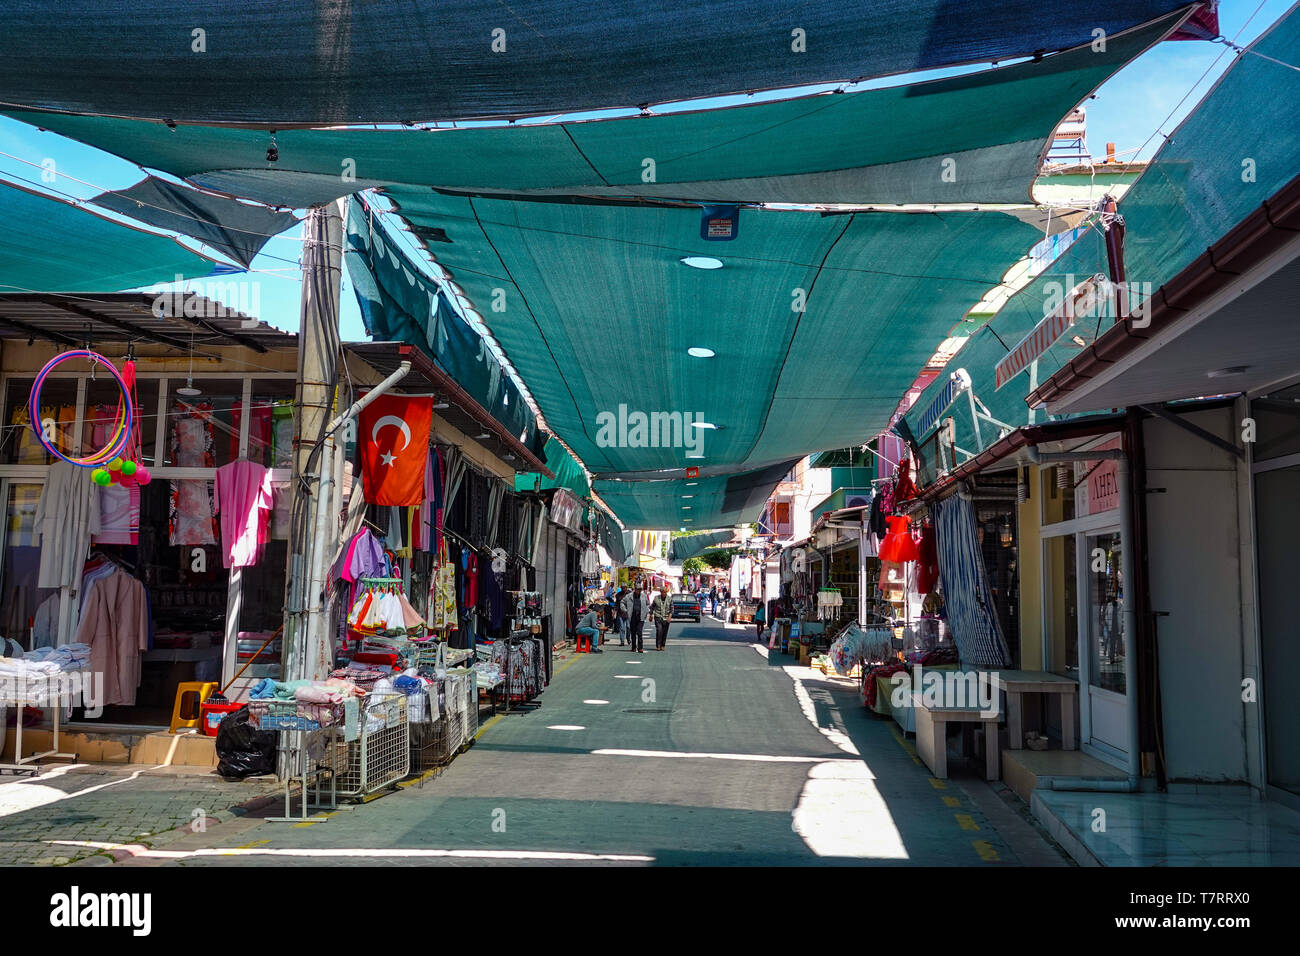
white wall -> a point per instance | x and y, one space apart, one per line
1195 548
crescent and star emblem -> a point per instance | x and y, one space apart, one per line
388 457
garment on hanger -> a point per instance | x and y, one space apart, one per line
190 519
898 546
192 443
66 517
119 515
242 496
927 568
115 624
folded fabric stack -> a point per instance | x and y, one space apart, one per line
488 674
69 657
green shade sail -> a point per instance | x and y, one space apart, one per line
1193 192
568 473
50 245
973 138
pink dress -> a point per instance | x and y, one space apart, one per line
243 498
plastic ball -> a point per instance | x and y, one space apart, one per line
101 477
126 481
115 464
142 476
129 467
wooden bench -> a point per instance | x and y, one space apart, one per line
932 738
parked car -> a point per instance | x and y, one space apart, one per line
686 606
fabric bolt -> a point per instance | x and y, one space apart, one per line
243 498
66 517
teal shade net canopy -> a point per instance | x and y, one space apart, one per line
50 245
672 503
817 323
693 545
1193 192
972 138
305 62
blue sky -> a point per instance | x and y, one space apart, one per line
1148 97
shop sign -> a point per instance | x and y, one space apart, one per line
719 223
1103 482
1080 301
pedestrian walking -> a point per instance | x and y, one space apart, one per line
636 608
620 616
713 599
661 609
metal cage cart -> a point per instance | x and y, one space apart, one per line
52 691
381 755
293 720
434 743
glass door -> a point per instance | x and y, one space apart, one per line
1102 631
28 614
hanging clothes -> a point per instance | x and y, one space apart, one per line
190 520
66 517
927 568
119 515
115 624
243 497
898 546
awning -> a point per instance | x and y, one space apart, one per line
293 61
693 545
565 473
701 503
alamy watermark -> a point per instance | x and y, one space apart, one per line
624 429
936 688
212 299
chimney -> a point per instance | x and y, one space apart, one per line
1110 152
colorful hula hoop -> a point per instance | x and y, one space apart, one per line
125 413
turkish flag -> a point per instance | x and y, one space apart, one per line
394 448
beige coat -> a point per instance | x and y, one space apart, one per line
115 623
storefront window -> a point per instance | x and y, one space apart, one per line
261 612
1105 613
1277 420
270 425
1060 619
99 420
203 429
29 614
58 415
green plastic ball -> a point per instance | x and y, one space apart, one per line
101 476
129 468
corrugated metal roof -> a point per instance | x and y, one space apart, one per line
169 319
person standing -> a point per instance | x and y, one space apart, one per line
635 608
620 616
713 599
661 609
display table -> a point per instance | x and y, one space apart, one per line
932 740
1016 684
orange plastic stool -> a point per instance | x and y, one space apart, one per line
190 696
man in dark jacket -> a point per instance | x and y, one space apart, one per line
637 609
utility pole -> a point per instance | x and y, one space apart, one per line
315 525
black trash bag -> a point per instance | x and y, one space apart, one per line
243 751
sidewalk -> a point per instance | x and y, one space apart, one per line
103 803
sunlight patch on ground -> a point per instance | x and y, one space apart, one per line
841 814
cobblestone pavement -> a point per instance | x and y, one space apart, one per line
711 753
102 804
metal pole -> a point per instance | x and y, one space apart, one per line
318 347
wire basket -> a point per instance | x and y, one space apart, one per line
293 715
381 755
431 744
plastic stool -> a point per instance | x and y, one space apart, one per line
204 690
583 645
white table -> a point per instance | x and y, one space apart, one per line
1016 684
932 739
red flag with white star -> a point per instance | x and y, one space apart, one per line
394 436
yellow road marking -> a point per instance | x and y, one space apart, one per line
938 784
907 747
953 802
967 821
986 851
254 844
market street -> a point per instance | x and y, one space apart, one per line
721 765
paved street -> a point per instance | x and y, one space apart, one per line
708 753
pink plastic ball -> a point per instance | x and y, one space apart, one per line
142 476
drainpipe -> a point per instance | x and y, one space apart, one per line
1130 618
